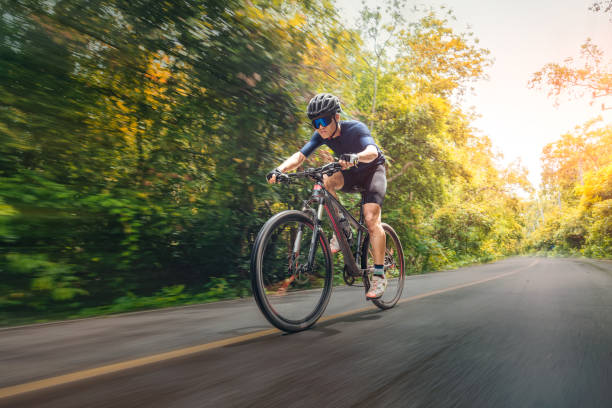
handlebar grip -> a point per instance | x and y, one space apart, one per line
282 178
350 157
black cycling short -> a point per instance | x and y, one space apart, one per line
373 181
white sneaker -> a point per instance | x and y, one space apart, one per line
334 245
377 287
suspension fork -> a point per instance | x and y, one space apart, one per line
316 193
317 217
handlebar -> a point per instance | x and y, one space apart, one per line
314 173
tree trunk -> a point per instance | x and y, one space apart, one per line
374 96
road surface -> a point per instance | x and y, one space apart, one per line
522 332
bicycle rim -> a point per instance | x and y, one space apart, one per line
291 296
394 267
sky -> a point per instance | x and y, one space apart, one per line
523 36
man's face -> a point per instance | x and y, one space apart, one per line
327 131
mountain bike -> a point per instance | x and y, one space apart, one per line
291 262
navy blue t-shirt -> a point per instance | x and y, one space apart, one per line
354 138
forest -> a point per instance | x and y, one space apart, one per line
135 137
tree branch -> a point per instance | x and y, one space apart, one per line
399 173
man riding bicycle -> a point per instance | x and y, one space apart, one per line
363 167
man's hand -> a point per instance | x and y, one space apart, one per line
271 176
348 160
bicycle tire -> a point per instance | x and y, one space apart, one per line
394 267
290 301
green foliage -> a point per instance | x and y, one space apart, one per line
217 289
135 136
575 215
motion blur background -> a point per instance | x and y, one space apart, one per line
135 137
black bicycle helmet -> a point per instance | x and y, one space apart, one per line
323 104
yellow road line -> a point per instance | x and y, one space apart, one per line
112 368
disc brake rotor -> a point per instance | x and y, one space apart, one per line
302 276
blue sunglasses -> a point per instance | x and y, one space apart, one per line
322 122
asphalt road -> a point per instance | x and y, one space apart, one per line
523 332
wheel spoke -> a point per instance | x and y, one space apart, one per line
291 295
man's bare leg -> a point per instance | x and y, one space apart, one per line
378 284
333 183
372 213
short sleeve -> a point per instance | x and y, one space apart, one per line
365 137
312 145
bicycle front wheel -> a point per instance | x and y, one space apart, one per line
291 294
394 266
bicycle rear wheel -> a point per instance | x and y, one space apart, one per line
291 296
394 267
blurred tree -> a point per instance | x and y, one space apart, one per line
135 136
567 219
591 78
567 160
430 146
133 133
573 213
381 37
603 6
596 204
439 60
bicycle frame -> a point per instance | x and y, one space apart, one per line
328 203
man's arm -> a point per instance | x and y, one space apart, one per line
291 163
367 155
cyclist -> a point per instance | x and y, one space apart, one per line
363 166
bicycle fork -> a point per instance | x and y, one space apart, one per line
315 234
